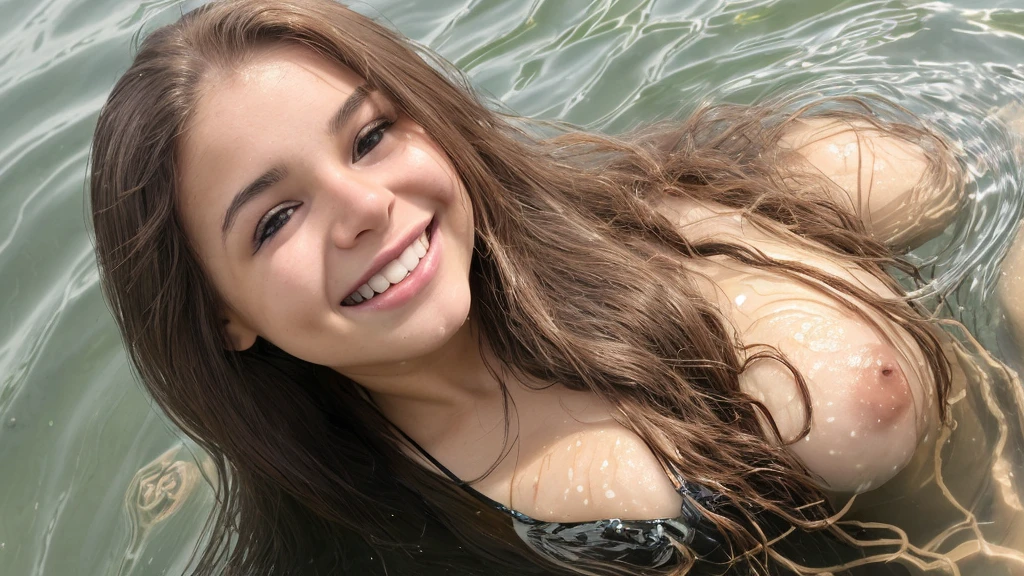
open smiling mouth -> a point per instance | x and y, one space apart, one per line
393 272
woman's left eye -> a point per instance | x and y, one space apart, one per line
369 138
272 222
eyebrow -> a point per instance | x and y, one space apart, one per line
278 173
352 103
254 189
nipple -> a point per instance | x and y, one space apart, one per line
883 389
854 375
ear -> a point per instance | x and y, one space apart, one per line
239 335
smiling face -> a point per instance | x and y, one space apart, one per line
303 193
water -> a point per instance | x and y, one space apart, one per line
93 480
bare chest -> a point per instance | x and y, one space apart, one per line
571 462
870 394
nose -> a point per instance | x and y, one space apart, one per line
361 206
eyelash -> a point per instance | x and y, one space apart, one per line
272 222
275 219
376 128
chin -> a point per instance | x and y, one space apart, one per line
436 326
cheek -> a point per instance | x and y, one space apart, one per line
288 293
429 166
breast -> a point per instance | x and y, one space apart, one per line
872 398
595 473
871 402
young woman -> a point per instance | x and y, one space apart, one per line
383 308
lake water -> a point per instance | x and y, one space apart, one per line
93 480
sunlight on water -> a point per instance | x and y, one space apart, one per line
95 482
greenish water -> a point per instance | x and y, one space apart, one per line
75 429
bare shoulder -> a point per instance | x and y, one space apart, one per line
599 473
1011 286
1011 281
904 194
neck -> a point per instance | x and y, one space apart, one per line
431 396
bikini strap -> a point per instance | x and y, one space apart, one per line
464 485
432 460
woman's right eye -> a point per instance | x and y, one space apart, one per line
272 222
369 139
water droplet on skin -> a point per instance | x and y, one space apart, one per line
830 419
579 487
853 433
741 299
579 443
570 474
586 501
604 465
610 494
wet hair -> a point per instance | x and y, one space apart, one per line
576 278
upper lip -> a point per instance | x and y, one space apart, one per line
388 254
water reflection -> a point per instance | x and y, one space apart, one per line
157 491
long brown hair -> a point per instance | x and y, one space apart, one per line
576 279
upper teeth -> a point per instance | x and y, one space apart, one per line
392 273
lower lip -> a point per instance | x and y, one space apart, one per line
399 294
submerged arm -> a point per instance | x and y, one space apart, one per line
904 195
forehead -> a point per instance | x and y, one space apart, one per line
251 117
273 83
